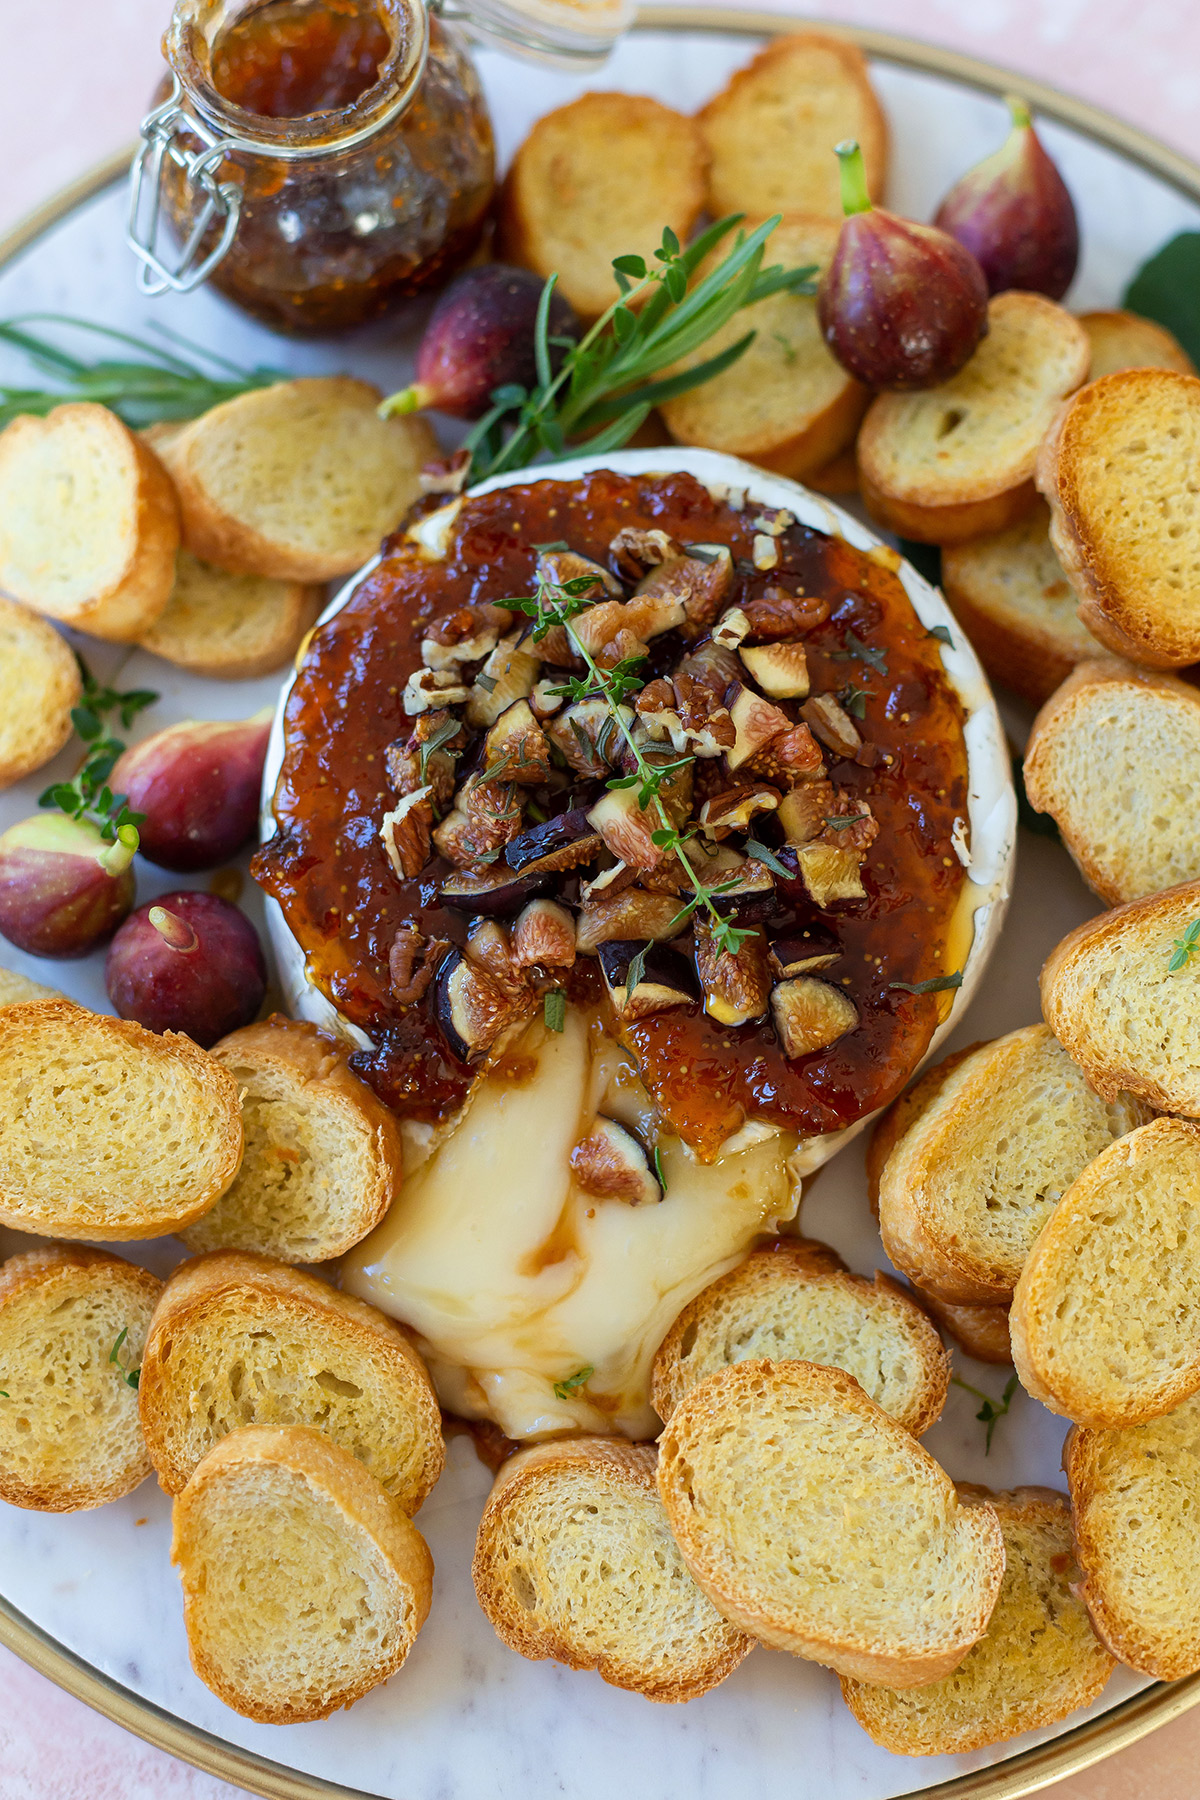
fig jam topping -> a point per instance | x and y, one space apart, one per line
468 748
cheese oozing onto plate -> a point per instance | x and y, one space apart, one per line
540 1305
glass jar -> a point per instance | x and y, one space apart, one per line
314 221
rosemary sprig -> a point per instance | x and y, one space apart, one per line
159 384
558 604
991 1410
87 795
606 384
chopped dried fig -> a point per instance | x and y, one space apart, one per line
627 830
799 956
516 747
736 986
780 670
830 873
749 895
494 890
734 809
473 1009
405 833
810 1015
667 979
485 817
508 674
693 584
792 757
566 841
611 1164
490 948
557 567
715 665
631 914
803 811
544 702
831 723
755 722
544 936
589 738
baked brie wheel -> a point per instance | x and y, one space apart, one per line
643 821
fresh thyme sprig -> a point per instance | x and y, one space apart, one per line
158 385
606 384
566 1390
991 1410
87 795
131 1377
1185 948
559 604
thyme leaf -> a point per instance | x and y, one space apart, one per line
937 985
759 853
842 823
1185 948
131 1377
568 1388
991 1410
658 1169
87 795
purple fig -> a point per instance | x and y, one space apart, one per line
63 888
901 305
188 962
479 338
198 785
1015 215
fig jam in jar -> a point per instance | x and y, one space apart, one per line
319 160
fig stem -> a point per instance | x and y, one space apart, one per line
174 931
1018 112
115 858
407 400
855 198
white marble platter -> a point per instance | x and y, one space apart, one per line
466 1717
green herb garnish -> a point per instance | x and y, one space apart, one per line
131 1377
865 652
853 700
88 795
942 634
158 385
606 384
844 821
761 854
635 971
554 1010
1165 289
937 985
1185 948
565 1390
441 736
658 1169
991 1410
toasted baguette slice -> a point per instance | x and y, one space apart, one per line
39 684
957 461
904 1111
1013 600
1124 340
299 481
1135 1496
1121 1011
322 1160
772 130
976 1174
1114 758
304 1583
1039 1661
574 1561
818 1524
103 559
1106 1316
785 403
107 1130
16 989
982 1331
240 1340
1118 468
600 178
233 627
799 1303
72 1325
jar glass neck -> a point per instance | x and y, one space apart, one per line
195 30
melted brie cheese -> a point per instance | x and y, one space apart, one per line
517 1280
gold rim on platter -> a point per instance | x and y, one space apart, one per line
1030 1770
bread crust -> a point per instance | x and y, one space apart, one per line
1171 1087
57 1270
129 604
1113 596
933 524
737 184
612 1460
180 636
1062 713
39 684
1125 340
810 1263
982 1331
266 1288
312 1059
734 1392
39 1029
336 1476
904 1112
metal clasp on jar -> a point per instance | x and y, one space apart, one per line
161 132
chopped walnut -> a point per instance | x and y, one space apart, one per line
508 674
765 551
736 987
695 584
412 960
405 833
464 636
427 688
731 628
485 817
634 550
781 614
831 723
689 713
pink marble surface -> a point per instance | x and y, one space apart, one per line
73 81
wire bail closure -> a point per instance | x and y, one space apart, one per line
161 132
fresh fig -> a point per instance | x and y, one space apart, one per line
1014 213
480 337
63 888
198 786
901 305
188 962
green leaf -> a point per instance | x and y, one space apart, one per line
991 1410
554 544
566 1389
867 653
1185 948
670 244
658 1168
854 700
759 853
844 822
937 985
624 323
1167 289
86 724
942 634
676 282
636 970
631 265
554 1010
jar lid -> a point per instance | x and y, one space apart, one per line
567 34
